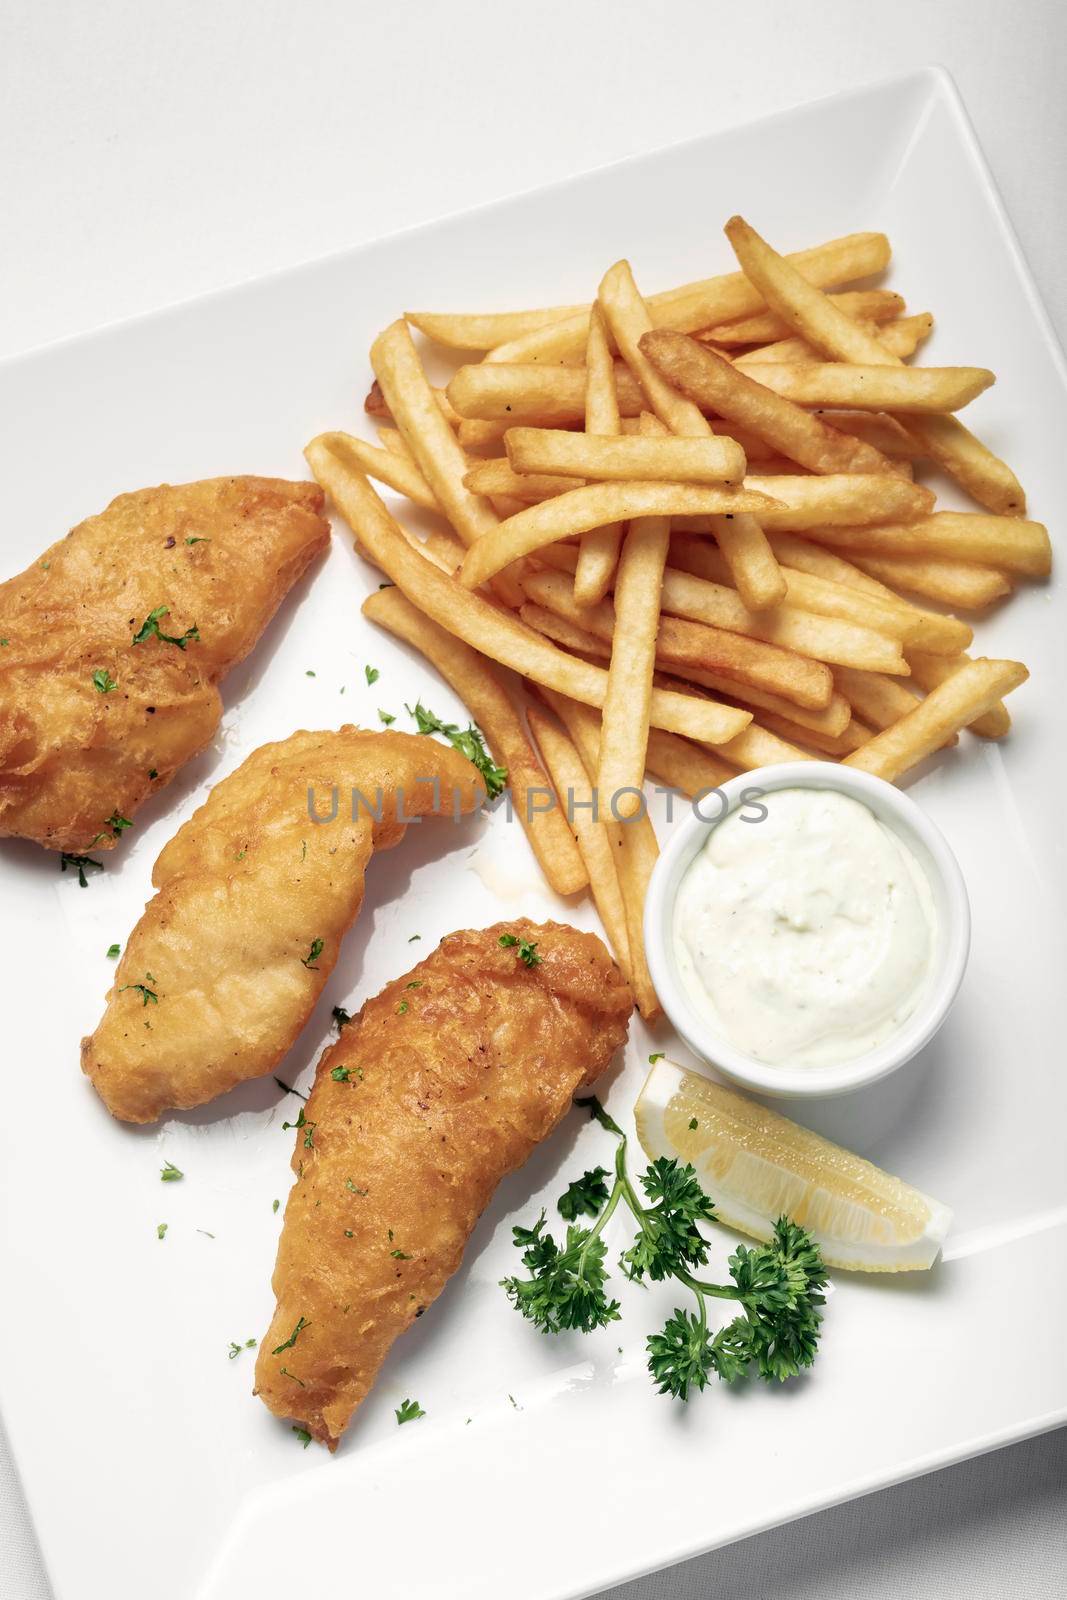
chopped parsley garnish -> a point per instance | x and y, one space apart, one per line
293 1337
341 1017
353 1189
303 1435
402 1007
399 1255
150 629
170 1173
469 742
777 1286
349 1234
161 1231
385 717
143 990
287 1374
114 951
274 1205
585 1196
103 682
299 1123
413 937
658 1056
371 674
408 1411
81 863
198 539
309 1135
313 955
235 1349
152 773
527 951
309 673
693 1123
346 1074
416 983
117 823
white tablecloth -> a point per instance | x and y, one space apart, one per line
150 152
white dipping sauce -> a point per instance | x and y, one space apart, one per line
805 937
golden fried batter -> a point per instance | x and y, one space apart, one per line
444 1083
229 958
92 723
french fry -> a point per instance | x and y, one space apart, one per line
689 768
803 555
574 792
901 338
876 305
717 385
1008 543
944 439
878 699
550 397
854 735
390 468
582 455
903 390
633 846
628 319
498 477
501 637
839 498
700 304
957 451
485 330
638 581
828 720
599 547
950 583
376 405
592 506
820 637
742 542
970 693
884 432
930 671
490 707
759 747
690 644
895 618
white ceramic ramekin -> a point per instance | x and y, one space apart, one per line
895 811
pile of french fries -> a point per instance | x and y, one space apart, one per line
689 523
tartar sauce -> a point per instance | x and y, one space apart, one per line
805 937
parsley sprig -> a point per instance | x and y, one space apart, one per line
776 1285
150 629
524 949
468 741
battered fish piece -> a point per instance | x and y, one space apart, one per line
444 1083
116 639
229 958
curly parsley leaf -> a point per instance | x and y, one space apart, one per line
408 1411
80 863
525 949
103 682
150 629
468 741
585 1196
565 1287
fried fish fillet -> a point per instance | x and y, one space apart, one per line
440 1086
254 898
114 643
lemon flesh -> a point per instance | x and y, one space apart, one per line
757 1165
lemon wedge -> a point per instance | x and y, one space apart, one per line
756 1165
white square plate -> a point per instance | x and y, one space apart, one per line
548 1469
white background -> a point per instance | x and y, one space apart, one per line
154 151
